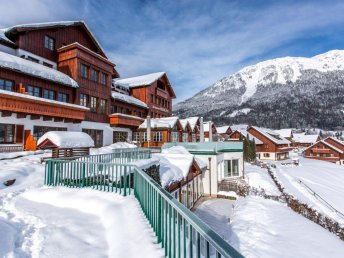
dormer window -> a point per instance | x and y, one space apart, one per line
49 43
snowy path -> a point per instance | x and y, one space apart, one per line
38 221
325 178
266 228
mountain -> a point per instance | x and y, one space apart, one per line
277 93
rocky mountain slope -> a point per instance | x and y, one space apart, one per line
277 93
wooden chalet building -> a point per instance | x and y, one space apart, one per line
223 132
153 89
243 134
166 129
207 137
330 149
187 130
302 140
273 147
55 76
195 125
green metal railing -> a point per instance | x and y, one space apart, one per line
178 230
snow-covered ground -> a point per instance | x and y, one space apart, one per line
324 178
259 178
40 221
266 228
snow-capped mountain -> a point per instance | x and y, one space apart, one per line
282 92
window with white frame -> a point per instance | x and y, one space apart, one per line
193 136
136 137
157 136
185 137
144 136
175 137
231 168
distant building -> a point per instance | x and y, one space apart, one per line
210 136
273 147
304 140
285 133
223 132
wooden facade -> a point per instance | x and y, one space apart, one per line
323 150
123 120
269 149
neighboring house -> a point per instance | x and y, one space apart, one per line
326 150
153 89
194 123
225 162
187 130
285 133
302 140
207 133
274 146
223 132
55 76
166 129
243 134
180 173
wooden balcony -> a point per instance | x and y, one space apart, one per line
321 150
162 93
34 106
124 120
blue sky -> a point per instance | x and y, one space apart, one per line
195 42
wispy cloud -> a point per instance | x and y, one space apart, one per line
196 42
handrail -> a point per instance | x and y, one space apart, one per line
180 232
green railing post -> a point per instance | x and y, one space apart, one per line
125 181
83 175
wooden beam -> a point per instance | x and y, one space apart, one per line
35 117
6 113
21 115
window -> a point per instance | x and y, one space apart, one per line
113 109
102 106
49 43
157 136
30 58
62 97
38 131
193 136
34 91
185 137
7 133
231 168
175 137
6 85
152 98
49 94
94 75
93 104
266 155
136 136
144 136
83 100
120 136
104 78
96 135
48 65
84 71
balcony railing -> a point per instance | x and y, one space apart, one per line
178 230
119 119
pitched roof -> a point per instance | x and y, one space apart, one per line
328 145
192 121
184 123
139 81
128 99
222 129
4 38
285 132
250 136
305 138
164 122
271 135
336 140
206 126
56 24
19 64
64 139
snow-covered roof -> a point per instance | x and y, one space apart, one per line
4 38
164 122
222 129
63 139
250 136
239 127
303 138
271 135
331 146
336 140
183 150
55 24
128 99
18 64
206 126
138 81
184 123
38 99
192 121
285 132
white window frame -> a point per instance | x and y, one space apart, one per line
157 136
175 137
